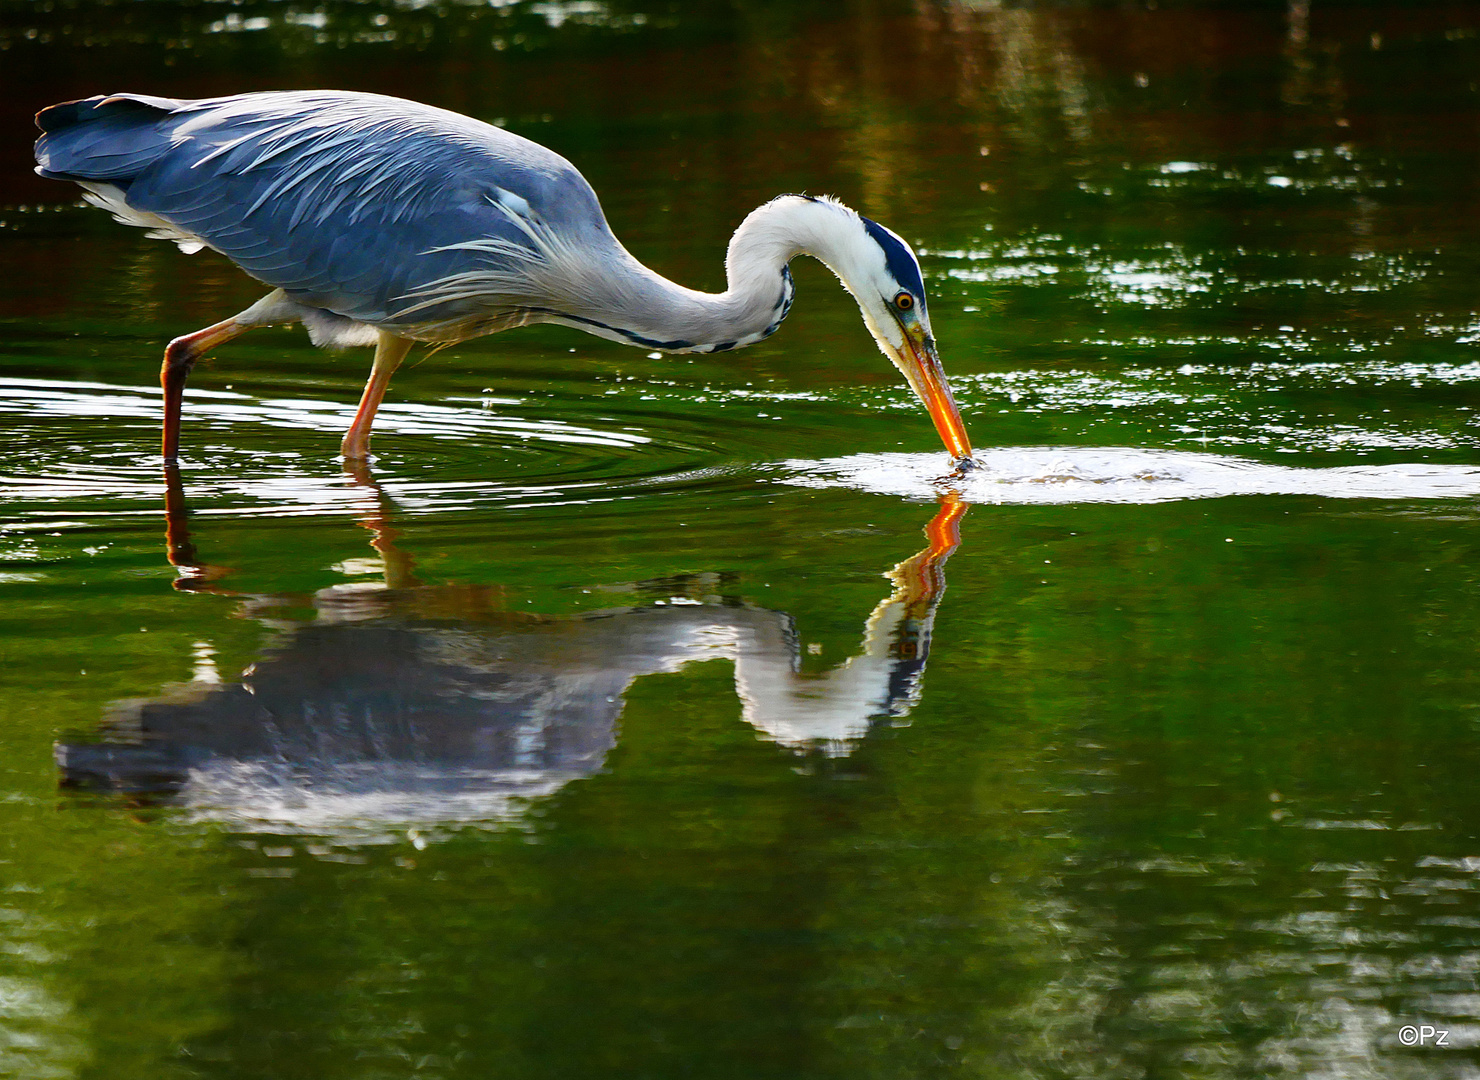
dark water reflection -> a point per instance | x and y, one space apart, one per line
408 705
590 765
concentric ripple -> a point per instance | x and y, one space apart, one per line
458 453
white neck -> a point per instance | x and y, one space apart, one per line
637 306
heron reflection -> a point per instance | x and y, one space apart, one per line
408 703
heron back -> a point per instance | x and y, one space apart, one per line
349 202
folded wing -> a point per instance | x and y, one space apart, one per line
354 203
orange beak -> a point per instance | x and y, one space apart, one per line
921 366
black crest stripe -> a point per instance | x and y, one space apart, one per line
900 261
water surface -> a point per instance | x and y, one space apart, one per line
645 716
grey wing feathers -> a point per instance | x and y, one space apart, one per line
350 202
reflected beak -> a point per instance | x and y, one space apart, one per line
921 366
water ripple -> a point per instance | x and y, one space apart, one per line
470 451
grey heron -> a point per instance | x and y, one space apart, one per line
380 221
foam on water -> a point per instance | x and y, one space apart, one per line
1049 474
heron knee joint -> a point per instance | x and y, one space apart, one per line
181 354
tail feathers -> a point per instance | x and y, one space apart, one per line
108 137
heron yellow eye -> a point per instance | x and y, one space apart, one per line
904 301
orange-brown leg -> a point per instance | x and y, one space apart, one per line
179 357
388 356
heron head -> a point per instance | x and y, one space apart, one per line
882 273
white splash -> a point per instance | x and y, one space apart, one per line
1047 474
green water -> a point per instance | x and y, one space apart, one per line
621 721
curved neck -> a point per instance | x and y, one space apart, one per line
641 307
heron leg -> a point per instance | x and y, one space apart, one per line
388 356
180 356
